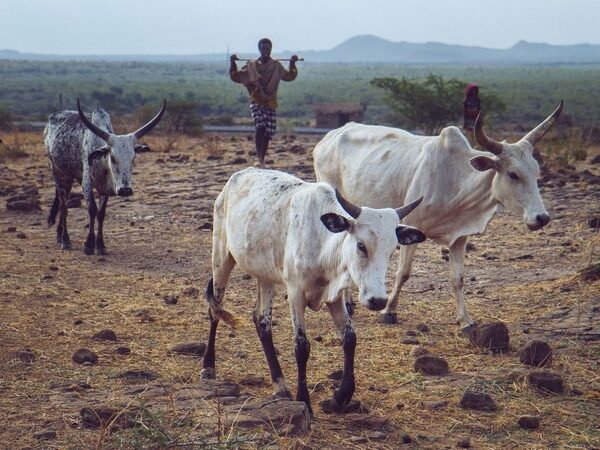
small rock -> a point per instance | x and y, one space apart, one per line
358 439
433 405
11 229
246 276
431 365
101 416
21 235
253 380
336 375
479 401
194 348
170 299
26 356
536 353
191 292
422 328
411 333
137 375
547 381
417 350
84 355
367 421
53 267
123 350
106 335
377 435
529 422
206 226
409 341
45 435
594 222
319 338
464 443
491 336
242 355
406 439
77 322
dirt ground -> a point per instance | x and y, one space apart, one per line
52 302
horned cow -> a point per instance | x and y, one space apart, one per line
382 166
89 152
282 230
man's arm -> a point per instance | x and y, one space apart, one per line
292 72
233 71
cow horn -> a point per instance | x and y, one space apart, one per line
488 144
407 209
536 134
350 208
148 127
105 136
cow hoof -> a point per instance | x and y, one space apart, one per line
101 251
469 328
389 318
208 373
282 394
88 250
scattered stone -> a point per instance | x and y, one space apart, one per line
246 276
336 375
378 436
170 299
367 421
422 328
410 341
27 205
137 375
464 443
84 355
594 222
194 348
470 247
238 160
288 417
411 333
431 365
70 386
433 405
399 406
536 353
358 439
319 338
242 355
206 226
101 416
479 401
354 406
106 335
26 356
406 439
11 229
191 292
492 336
123 350
77 322
547 381
53 267
45 435
417 350
21 235
253 380
528 422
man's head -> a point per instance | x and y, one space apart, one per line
264 47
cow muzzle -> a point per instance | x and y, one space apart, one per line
125 192
541 220
376 303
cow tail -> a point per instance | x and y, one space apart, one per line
216 310
53 210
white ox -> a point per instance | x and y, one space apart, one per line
381 166
282 230
89 152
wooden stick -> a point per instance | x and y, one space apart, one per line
276 59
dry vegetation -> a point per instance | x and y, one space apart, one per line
53 302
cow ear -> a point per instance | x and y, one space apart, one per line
97 154
141 148
483 163
409 235
335 223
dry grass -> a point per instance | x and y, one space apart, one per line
156 248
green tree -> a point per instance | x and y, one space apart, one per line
6 119
430 103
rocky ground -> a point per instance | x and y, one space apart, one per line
103 351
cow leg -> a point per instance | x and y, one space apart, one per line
301 346
349 301
88 249
407 253
341 318
100 249
223 264
457 265
63 191
263 320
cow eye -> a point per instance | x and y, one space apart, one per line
513 176
361 247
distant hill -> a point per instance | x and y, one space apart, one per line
372 49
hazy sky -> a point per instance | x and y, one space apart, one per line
201 26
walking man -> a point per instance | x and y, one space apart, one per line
261 77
